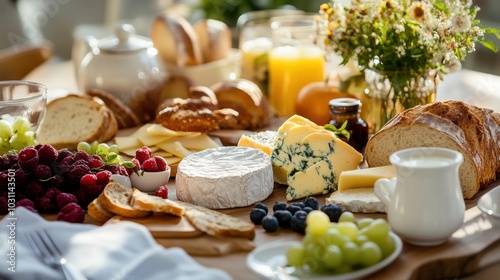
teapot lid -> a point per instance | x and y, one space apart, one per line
125 41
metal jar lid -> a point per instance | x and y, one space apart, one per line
344 105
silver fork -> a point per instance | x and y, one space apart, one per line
45 248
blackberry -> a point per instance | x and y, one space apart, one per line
28 159
311 202
298 222
284 218
257 215
262 206
47 154
279 205
270 223
333 211
293 208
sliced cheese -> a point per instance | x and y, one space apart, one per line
309 158
197 142
364 178
175 148
263 140
358 200
224 177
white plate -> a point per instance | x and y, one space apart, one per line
269 259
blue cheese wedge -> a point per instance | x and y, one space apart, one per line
309 158
224 177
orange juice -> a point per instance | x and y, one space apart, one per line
290 69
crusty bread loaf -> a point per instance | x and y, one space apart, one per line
124 116
176 41
473 131
215 39
145 202
216 223
76 118
99 213
116 199
247 99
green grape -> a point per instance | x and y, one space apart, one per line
114 149
20 140
347 217
5 129
5 147
332 257
102 149
311 264
364 222
348 229
21 125
83 146
93 147
295 255
370 254
350 251
333 237
317 223
377 230
388 245
360 239
343 268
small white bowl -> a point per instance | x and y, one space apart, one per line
489 203
150 181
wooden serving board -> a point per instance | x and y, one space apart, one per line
164 225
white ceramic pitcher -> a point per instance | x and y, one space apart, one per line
424 202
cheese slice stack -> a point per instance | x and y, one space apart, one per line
309 159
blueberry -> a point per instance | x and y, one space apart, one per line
261 206
298 222
270 223
256 215
300 204
311 202
284 217
278 205
293 208
333 211
307 209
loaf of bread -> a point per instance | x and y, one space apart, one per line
215 39
116 199
145 202
176 41
473 131
76 118
124 116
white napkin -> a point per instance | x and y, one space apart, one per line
123 250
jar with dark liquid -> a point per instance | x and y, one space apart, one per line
349 109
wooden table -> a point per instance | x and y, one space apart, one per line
467 251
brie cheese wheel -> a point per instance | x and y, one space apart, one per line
357 200
224 177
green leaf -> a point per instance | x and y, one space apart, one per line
490 45
339 131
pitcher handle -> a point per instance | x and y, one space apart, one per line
384 188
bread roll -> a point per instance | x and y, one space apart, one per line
215 39
473 131
247 99
176 41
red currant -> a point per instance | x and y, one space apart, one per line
162 192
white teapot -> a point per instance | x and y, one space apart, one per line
125 65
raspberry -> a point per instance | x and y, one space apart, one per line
103 177
4 179
4 163
76 173
122 170
21 179
66 164
150 165
95 161
4 207
137 164
12 159
84 197
34 189
161 163
62 154
56 181
88 180
82 155
80 162
142 154
89 185
44 205
42 172
162 192
65 198
72 213
113 168
47 154
25 202
28 159
52 194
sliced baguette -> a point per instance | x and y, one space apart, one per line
116 199
99 213
145 202
358 200
216 223
125 117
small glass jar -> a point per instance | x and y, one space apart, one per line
349 109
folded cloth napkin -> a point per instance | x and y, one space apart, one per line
122 250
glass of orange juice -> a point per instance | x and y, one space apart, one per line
294 61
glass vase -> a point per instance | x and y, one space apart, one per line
389 93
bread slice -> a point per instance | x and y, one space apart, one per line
75 118
145 202
116 199
125 117
358 200
217 223
472 131
215 39
99 213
